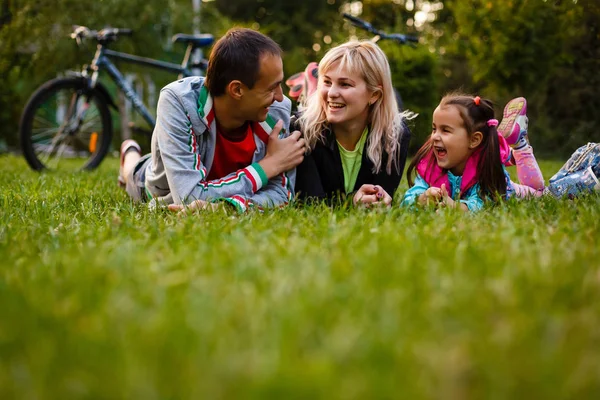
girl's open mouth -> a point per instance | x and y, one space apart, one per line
440 151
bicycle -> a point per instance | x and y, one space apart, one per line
304 83
68 119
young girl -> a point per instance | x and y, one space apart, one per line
357 139
462 162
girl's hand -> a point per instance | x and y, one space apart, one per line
445 199
371 195
430 196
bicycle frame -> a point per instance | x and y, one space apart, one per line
55 124
102 61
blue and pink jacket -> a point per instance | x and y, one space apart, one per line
463 188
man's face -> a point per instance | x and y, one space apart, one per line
267 89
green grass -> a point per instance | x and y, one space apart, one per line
100 298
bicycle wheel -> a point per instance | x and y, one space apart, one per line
65 126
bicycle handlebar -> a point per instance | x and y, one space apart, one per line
104 35
403 38
397 37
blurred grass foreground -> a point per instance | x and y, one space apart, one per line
100 298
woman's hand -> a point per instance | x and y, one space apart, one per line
372 195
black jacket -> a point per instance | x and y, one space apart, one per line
321 176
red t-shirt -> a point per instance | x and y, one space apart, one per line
231 155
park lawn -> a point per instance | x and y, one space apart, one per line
100 298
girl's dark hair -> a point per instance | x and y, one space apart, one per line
237 56
490 174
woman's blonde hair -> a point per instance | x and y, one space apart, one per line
385 121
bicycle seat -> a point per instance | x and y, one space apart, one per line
202 40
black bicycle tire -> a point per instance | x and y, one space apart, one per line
43 93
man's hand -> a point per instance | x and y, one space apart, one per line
372 195
195 206
282 154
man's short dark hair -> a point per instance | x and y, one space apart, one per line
236 56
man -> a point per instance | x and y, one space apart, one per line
220 139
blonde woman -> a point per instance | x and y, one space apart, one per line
356 136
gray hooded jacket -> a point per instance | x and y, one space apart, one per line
183 146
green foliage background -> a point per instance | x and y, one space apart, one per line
547 51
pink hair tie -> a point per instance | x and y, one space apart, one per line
477 100
492 122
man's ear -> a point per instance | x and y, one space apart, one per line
475 140
235 89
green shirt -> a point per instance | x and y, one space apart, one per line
352 160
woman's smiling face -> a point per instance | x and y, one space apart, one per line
345 95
